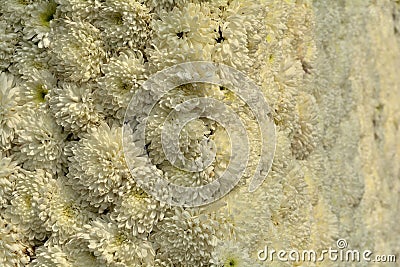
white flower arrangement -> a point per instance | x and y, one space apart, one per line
70 173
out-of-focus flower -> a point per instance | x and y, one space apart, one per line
230 254
305 137
14 12
9 109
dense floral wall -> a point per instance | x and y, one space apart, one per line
69 68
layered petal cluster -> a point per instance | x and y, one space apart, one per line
97 167
40 142
77 50
123 75
9 109
74 107
187 237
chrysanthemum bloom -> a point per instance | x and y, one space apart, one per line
193 140
77 50
8 40
240 29
8 171
187 237
117 247
87 10
35 86
124 23
40 142
138 212
122 77
228 254
14 248
292 218
74 107
24 210
305 137
65 256
29 58
164 5
282 92
9 109
14 12
197 136
37 25
184 34
97 167
61 211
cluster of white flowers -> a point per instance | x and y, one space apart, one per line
68 71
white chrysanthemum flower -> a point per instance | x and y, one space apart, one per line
240 31
24 210
187 237
14 248
77 50
37 26
9 109
282 92
97 167
228 254
14 12
87 10
164 5
40 142
184 34
61 212
56 255
29 58
123 75
115 246
47 256
74 107
305 137
35 86
8 40
292 218
8 171
124 23
197 137
137 211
